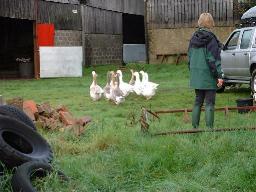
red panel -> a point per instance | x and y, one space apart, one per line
45 34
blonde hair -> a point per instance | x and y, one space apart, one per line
206 21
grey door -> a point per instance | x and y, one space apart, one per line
243 54
228 61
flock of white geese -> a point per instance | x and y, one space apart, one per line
116 90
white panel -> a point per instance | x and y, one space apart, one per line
60 62
134 52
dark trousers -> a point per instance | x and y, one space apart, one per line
205 95
209 97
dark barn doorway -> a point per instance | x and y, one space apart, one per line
133 29
134 49
16 48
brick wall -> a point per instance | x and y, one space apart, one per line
68 38
102 49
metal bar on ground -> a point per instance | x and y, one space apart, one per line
193 131
216 109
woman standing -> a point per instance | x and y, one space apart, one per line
205 69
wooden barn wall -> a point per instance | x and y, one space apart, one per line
65 1
134 7
63 16
125 6
99 21
24 9
185 13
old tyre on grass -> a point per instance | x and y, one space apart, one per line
19 143
253 82
16 113
22 178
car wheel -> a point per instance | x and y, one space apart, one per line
1 169
16 113
21 180
19 143
253 81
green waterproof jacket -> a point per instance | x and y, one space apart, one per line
204 60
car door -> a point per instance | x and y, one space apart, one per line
228 53
243 54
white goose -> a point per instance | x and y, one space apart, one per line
149 88
107 87
95 90
132 81
154 85
143 78
137 87
117 95
125 87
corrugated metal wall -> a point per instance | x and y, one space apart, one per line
65 1
101 16
134 7
125 6
99 21
63 16
24 9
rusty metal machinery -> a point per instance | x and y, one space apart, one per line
144 120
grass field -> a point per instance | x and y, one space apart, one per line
113 154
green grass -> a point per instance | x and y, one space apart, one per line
113 155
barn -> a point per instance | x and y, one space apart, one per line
54 38
170 24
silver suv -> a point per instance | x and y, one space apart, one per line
238 58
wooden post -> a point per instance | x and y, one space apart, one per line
143 121
146 30
83 32
36 54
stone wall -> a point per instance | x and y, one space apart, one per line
102 49
175 41
67 38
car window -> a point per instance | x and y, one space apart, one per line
233 41
245 41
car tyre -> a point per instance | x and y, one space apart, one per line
19 143
16 113
21 180
253 81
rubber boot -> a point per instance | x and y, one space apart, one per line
196 116
209 116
